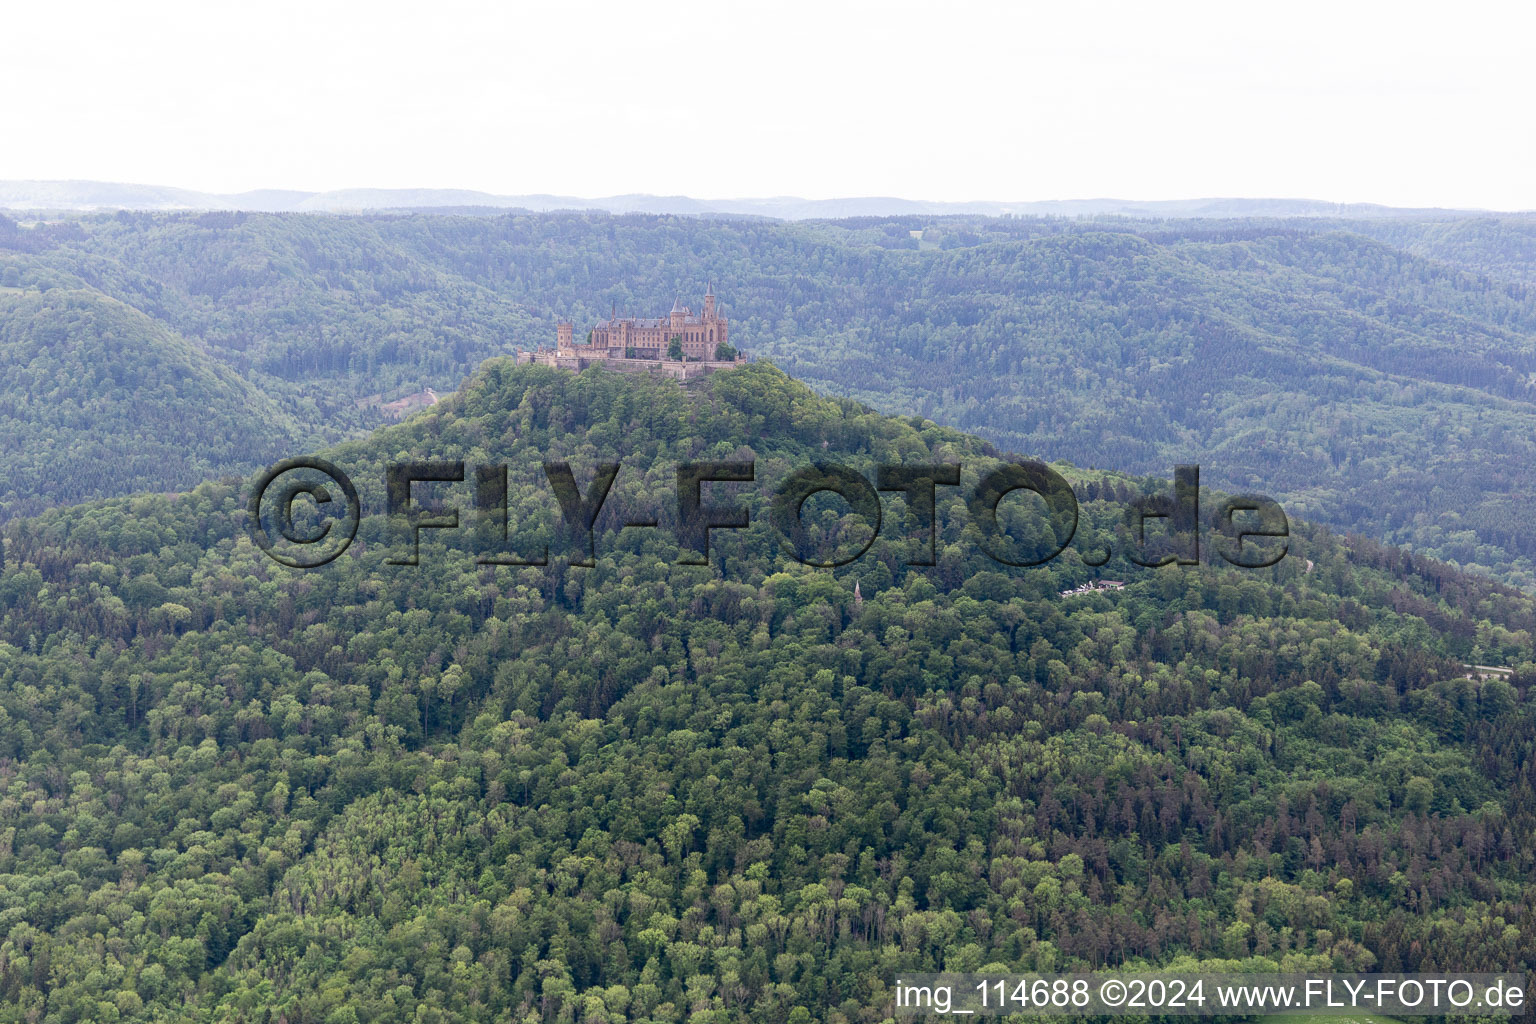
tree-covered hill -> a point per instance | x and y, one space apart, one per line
652 791
1375 375
1500 247
97 398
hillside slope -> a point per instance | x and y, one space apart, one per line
98 399
643 791
1500 247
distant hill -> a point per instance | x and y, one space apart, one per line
95 195
96 398
1503 248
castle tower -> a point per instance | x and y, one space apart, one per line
563 338
677 315
709 302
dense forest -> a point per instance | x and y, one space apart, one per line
1375 375
647 791
97 396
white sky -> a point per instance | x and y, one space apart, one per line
1390 103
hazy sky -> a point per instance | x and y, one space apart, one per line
1391 102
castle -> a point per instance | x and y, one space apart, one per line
646 343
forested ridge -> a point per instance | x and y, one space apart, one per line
1374 375
96 395
646 791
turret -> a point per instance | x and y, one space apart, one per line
563 339
679 313
709 302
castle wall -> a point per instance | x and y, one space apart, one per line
679 369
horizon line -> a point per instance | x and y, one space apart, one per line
169 194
